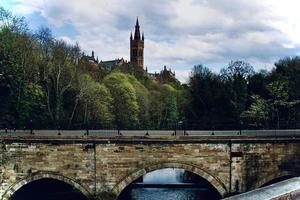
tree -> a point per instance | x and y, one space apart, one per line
289 68
142 95
171 111
235 77
279 99
208 101
11 22
58 69
31 105
18 71
258 112
125 103
257 84
163 101
94 101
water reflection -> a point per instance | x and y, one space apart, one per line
170 184
170 194
164 176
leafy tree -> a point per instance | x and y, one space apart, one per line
58 70
142 95
208 101
235 77
18 71
31 106
258 112
162 98
289 68
125 103
257 84
11 22
94 101
279 99
171 111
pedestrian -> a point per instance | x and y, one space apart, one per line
31 127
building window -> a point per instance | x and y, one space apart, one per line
134 52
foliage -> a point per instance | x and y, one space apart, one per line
43 79
279 99
125 103
258 111
235 78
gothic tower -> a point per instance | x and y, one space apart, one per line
137 47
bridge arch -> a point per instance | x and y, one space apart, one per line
272 176
41 175
217 183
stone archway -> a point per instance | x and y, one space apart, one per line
217 183
41 175
270 177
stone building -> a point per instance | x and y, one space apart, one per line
89 63
90 59
165 76
112 64
136 62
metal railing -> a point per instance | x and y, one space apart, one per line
180 128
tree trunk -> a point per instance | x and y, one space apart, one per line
73 112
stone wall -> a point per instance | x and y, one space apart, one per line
259 162
24 162
108 166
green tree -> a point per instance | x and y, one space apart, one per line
19 75
258 112
125 103
289 69
171 111
142 95
235 77
94 101
208 100
159 113
279 100
58 69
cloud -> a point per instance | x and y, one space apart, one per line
179 33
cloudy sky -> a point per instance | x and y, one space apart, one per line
178 33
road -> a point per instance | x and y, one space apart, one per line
113 133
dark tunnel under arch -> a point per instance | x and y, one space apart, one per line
48 189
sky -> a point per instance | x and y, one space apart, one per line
178 33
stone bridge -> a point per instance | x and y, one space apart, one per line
101 168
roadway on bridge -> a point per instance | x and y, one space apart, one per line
152 133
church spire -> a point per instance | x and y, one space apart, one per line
137 34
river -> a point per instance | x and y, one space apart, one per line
165 185
169 194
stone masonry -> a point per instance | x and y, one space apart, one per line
101 167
